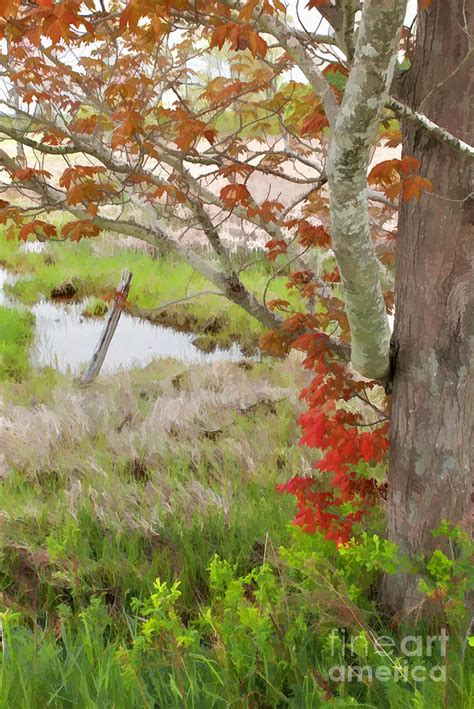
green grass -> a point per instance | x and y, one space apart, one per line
95 308
155 283
87 516
16 334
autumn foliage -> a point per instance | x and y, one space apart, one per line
341 422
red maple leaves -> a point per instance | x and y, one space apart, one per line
397 177
338 495
343 488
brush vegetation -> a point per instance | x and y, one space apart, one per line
147 559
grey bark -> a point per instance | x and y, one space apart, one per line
356 126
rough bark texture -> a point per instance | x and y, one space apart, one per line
432 446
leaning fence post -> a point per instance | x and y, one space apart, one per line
102 346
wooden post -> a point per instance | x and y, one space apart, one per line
100 351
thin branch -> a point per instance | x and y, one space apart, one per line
21 138
146 312
403 111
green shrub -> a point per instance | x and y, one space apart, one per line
277 636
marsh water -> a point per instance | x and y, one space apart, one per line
65 339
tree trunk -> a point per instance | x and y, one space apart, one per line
432 442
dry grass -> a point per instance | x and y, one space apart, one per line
139 445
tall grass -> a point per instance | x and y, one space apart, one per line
146 474
271 638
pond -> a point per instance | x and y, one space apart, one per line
65 339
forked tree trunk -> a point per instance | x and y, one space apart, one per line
432 446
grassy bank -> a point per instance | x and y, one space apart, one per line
155 283
148 474
16 334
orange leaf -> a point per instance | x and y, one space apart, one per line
82 228
316 3
296 322
237 169
408 165
221 35
88 191
277 304
393 191
28 173
275 248
414 185
78 172
232 195
275 343
310 235
383 171
257 44
314 124
37 225
8 8
130 17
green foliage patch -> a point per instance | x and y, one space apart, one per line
16 334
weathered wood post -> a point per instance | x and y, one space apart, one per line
103 344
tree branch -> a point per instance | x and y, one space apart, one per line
356 126
404 111
290 42
21 138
